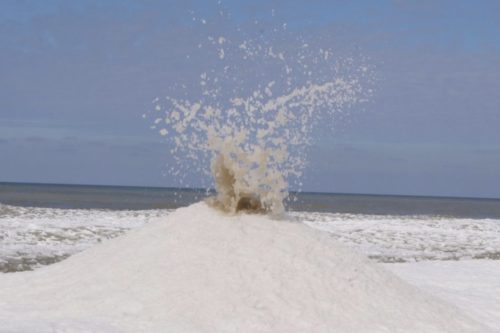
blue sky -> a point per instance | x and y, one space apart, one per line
76 77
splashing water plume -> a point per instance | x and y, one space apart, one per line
251 122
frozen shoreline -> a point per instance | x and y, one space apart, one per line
198 269
32 237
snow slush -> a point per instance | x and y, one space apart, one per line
250 129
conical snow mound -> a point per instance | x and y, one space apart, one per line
201 271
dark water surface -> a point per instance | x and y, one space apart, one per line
139 198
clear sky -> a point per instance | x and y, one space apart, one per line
76 77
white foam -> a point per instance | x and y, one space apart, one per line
200 270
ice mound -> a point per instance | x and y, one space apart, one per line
199 270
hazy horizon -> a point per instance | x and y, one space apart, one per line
213 190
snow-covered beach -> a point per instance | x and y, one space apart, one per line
237 166
197 269
471 285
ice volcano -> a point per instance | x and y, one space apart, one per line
201 270
244 126
206 269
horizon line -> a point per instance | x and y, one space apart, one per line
291 191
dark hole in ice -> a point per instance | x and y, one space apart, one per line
249 203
